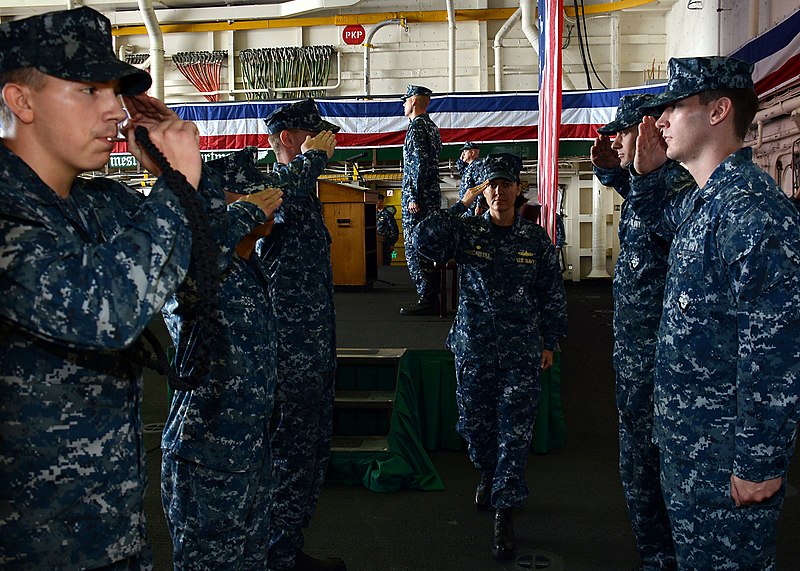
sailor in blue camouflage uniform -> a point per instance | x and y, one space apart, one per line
84 265
511 312
468 167
216 465
639 277
386 226
727 376
421 196
296 260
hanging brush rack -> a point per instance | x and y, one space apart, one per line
202 69
281 69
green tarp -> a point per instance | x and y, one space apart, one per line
424 419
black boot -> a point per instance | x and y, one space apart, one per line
304 562
483 493
422 307
503 542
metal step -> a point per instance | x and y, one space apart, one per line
359 444
360 355
364 399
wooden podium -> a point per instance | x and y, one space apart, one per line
350 215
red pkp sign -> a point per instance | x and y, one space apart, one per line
354 35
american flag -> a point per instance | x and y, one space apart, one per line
551 24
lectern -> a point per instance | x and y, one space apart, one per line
349 213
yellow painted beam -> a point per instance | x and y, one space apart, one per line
345 20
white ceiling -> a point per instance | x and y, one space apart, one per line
269 8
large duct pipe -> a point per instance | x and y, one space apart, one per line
368 45
532 33
451 47
156 48
529 28
498 48
614 55
598 231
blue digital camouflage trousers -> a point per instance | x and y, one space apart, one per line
301 448
497 410
141 562
710 532
639 472
217 520
425 278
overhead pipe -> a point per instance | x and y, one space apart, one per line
231 13
498 48
156 47
451 47
368 45
531 32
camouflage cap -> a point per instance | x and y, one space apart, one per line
71 44
469 146
238 172
412 90
628 113
302 115
500 165
690 76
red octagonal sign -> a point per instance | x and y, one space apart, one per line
353 35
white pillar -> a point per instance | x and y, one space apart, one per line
598 231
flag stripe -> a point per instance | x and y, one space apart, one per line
775 55
551 19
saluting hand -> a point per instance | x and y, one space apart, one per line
323 141
602 155
651 150
268 200
473 192
177 139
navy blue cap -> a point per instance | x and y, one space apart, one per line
412 90
469 146
70 44
690 76
302 115
500 165
629 113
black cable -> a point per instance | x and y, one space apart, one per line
580 44
204 273
566 43
588 50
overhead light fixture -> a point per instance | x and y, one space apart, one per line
695 5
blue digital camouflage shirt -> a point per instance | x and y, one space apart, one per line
727 380
387 226
296 258
470 175
421 164
511 302
81 278
222 424
639 276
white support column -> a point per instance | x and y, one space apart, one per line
231 66
598 231
615 49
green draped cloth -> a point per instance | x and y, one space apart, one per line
424 419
